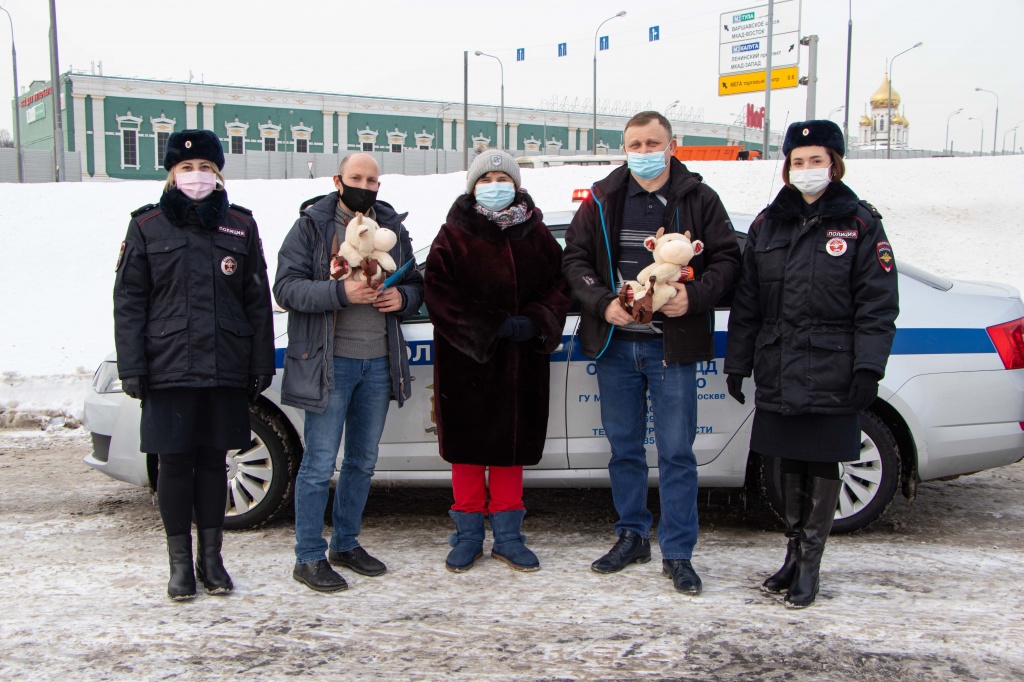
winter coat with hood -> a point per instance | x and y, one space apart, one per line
592 255
491 394
817 301
191 298
304 288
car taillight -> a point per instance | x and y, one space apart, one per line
1008 339
580 194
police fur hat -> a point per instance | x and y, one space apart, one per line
492 160
193 144
817 133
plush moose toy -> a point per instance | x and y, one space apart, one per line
364 253
672 252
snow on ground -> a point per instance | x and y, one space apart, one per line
959 217
932 591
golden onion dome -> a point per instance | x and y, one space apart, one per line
899 120
880 100
865 121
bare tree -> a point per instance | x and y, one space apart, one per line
5 138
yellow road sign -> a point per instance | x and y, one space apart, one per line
753 81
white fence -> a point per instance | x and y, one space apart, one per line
37 165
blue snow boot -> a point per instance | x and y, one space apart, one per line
508 542
467 541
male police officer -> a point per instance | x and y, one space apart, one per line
346 358
604 247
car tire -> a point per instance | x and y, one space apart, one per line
869 484
261 477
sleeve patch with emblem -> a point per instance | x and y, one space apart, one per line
120 257
885 257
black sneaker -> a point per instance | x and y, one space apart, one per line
359 561
684 578
319 576
630 548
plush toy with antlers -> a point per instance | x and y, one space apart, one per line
364 253
672 252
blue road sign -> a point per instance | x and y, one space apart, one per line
654 33
563 49
520 54
603 43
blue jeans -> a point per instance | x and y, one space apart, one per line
357 406
625 373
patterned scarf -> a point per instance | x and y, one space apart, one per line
507 217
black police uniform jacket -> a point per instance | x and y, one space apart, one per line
817 300
592 255
191 298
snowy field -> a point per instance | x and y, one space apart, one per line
959 217
932 591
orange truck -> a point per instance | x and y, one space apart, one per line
725 152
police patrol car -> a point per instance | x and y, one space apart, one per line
951 403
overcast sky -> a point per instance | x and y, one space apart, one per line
414 49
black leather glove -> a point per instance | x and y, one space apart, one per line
135 387
517 328
734 384
258 384
864 389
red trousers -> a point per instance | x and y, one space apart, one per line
505 485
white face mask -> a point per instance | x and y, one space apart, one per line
196 185
810 181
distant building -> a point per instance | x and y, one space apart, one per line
121 126
875 129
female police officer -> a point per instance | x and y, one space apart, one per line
194 334
814 318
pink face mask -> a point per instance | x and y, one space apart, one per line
196 185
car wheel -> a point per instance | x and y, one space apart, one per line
869 483
261 476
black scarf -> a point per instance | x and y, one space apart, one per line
209 211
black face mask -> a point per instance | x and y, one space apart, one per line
358 199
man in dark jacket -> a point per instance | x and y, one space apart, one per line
346 358
604 248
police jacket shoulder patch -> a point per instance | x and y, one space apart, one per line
142 209
241 209
872 209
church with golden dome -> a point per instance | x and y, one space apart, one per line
875 129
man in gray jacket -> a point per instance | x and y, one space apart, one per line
346 359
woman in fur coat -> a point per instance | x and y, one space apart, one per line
497 300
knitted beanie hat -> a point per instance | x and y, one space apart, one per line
492 160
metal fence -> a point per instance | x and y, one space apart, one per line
37 165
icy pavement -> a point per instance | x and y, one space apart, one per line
932 591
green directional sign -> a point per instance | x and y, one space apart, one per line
747 16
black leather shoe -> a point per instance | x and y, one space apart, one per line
630 548
319 576
359 561
684 578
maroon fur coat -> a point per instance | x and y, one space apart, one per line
491 394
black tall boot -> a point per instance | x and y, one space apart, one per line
823 496
182 584
209 564
792 511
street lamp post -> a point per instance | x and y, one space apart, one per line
981 142
846 106
995 133
1011 130
478 53
594 135
17 106
947 128
437 124
1015 126
888 118
839 108
669 108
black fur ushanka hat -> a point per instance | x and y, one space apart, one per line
193 144
817 133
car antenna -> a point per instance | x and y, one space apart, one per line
775 173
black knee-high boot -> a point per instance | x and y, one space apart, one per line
182 584
210 486
823 496
793 512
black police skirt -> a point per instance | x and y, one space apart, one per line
179 419
807 437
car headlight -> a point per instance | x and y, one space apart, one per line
105 379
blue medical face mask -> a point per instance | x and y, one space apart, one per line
646 166
495 196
